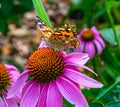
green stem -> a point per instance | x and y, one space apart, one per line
41 12
98 68
112 24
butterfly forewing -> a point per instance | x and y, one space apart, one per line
44 29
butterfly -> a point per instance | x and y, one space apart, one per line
61 38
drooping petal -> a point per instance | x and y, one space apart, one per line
10 67
9 102
31 96
98 46
81 48
76 58
28 84
87 68
17 85
53 91
90 49
1 103
13 71
71 92
17 98
101 41
43 96
82 79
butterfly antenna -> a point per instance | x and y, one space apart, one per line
40 21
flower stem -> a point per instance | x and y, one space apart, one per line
112 25
96 61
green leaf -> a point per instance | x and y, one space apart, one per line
112 72
110 59
96 105
113 104
68 104
41 11
110 4
88 9
99 12
3 26
6 6
13 18
27 3
108 35
75 1
106 90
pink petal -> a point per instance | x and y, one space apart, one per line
90 49
101 41
31 96
98 46
81 66
17 86
13 71
11 67
76 59
17 98
28 84
85 67
43 96
82 79
9 102
53 91
71 92
42 44
81 48
96 32
1 103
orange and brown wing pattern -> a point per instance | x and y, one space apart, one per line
61 38
65 37
44 29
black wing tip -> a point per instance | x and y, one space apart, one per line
37 17
40 21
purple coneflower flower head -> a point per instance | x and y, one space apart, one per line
8 76
91 42
52 77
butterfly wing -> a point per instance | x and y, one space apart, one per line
62 38
44 29
65 37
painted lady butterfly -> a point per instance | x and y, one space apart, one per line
61 38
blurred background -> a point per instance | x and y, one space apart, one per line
19 35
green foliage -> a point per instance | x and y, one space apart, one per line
108 35
109 5
41 11
68 104
110 95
